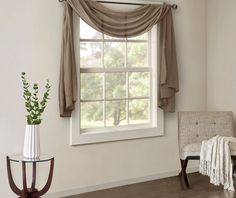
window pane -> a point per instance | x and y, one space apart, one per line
115 85
140 37
137 54
139 84
114 54
91 115
90 54
91 86
139 111
116 113
87 32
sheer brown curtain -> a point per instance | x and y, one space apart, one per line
119 24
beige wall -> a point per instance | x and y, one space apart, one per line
30 41
221 55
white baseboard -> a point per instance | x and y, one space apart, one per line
117 183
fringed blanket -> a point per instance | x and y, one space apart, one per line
215 161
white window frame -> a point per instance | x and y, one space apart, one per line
156 128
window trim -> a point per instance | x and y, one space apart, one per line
127 132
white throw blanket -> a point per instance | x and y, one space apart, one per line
215 161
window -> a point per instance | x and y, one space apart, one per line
118 95
115 80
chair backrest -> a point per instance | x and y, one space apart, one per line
196 126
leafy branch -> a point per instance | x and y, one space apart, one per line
32 104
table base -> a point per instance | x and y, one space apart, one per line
29 192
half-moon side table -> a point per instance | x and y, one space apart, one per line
31 192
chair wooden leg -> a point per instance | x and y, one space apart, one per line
183 173
234 166
180 173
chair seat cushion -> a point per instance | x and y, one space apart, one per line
195 148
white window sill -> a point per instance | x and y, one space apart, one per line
115 135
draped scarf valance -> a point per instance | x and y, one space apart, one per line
119 24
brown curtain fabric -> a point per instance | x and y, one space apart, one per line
119 24
68 76
168 79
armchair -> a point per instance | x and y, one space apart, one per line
194 127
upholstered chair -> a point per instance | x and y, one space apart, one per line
194 127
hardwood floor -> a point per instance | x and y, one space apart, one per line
164 188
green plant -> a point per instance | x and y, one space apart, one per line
32 104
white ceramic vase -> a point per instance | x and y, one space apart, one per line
32 142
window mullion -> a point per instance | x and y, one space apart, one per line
112 40
104 83
115 70
127 96
116 99
151 99
127 85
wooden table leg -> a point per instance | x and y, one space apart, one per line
24 190
48 184
13 186
33 176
